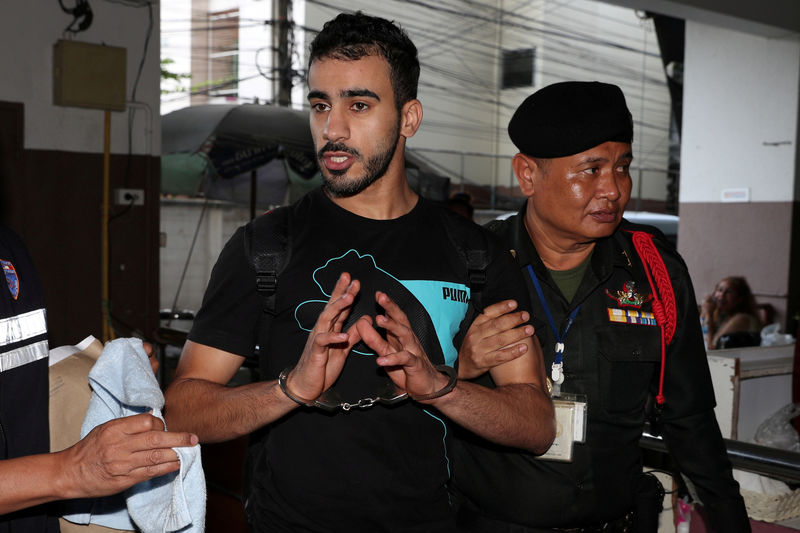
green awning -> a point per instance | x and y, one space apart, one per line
183 173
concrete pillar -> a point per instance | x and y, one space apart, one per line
740 139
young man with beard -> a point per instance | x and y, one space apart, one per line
372 294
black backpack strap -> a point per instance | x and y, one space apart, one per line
477 265
267 242
472 246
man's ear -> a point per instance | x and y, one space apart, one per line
525 168
410 118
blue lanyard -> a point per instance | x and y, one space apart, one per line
559 338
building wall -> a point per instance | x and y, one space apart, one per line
186 42
465 110
213 223
34 27
589 40
52 169
176 43
741 109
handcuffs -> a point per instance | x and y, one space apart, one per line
389 394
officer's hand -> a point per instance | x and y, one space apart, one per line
119 454
493 338
327 345
400 354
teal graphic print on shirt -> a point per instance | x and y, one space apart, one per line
445 303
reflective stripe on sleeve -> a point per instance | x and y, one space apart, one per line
23 355
25 326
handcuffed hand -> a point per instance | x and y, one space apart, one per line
400 354
327 346
495 337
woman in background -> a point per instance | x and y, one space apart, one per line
729 315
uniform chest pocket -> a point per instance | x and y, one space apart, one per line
628 357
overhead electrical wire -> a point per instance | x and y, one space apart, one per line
556 54
550 43
511 24
459 75
551 53
533 24
446 92
418 31
491 49
560 46
548 8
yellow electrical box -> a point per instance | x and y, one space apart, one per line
89 75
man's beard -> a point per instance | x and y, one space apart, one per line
374 168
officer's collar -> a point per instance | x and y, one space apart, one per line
610 253
525 250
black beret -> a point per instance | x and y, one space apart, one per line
570 117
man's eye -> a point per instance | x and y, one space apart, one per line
319 107
360 106
591 170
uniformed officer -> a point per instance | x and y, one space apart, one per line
111 458
595 283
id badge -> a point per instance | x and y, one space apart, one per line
570 426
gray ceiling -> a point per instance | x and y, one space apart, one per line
769 18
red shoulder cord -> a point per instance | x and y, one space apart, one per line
664 307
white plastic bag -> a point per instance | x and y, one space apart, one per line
771 336
777 430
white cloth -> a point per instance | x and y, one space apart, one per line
123 385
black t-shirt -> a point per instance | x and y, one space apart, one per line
379 469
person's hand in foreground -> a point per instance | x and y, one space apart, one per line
111 458
495 337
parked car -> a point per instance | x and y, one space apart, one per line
668 224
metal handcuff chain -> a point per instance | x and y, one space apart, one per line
330 400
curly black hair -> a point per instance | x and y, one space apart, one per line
350 37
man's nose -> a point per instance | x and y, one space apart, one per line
608 186
336 126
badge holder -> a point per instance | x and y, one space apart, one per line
570 408
570 426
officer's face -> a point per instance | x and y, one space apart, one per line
581 197
354 121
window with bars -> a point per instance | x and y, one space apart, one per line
223 53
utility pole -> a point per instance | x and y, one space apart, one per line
282 61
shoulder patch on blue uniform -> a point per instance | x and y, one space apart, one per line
11 277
